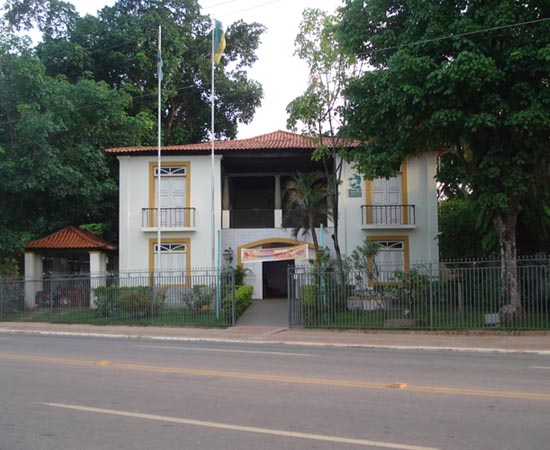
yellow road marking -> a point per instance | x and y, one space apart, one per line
401 386
223 350
246 429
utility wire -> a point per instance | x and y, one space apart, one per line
395 47
220 4
234 13
452 36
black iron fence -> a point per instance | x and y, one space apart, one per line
456 296
192 297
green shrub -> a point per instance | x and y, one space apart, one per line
199 298
412 293
106 300
12 296
240 273
312 311
243 299
135 301
322 300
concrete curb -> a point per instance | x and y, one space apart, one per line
262 340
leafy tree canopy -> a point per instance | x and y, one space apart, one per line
120 47
318 111
91 83
467 77
53 171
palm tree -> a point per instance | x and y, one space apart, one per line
305 197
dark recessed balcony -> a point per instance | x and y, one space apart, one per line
252 218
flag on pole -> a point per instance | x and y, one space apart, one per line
160 74
219 41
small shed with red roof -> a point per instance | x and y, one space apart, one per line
67 251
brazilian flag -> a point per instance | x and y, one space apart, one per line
219 41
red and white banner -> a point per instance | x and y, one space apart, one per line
274 254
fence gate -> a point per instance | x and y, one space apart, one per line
294 309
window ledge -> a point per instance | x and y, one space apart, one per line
168 229
382 226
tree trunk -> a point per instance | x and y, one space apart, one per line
311 221
510 297
335 219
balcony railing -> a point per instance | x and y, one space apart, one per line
388 215
290 221
169 218
253 218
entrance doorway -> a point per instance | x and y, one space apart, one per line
274 278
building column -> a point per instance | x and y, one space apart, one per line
33 278
98 272
278 201
225 196
225 204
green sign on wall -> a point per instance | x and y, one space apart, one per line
354 189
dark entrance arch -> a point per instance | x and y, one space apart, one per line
274 278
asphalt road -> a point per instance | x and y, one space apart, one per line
85 393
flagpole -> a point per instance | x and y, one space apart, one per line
159 161
213 219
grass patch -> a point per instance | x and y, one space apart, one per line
381 319
164 317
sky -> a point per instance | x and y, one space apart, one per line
282 75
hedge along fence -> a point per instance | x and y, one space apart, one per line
195 305
243 299
133 302
427 296
195 298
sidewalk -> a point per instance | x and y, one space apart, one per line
527 342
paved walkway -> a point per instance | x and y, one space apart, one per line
267 312
531 342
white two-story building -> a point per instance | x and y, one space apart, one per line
248 213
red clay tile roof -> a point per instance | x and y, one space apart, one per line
70 238
278 140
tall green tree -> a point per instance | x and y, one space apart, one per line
119 46
53 18
317 112
465 76
91 83
461 215
53 171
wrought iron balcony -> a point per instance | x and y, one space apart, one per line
176 218
392 216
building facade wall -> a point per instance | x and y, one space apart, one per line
420 190
135 193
